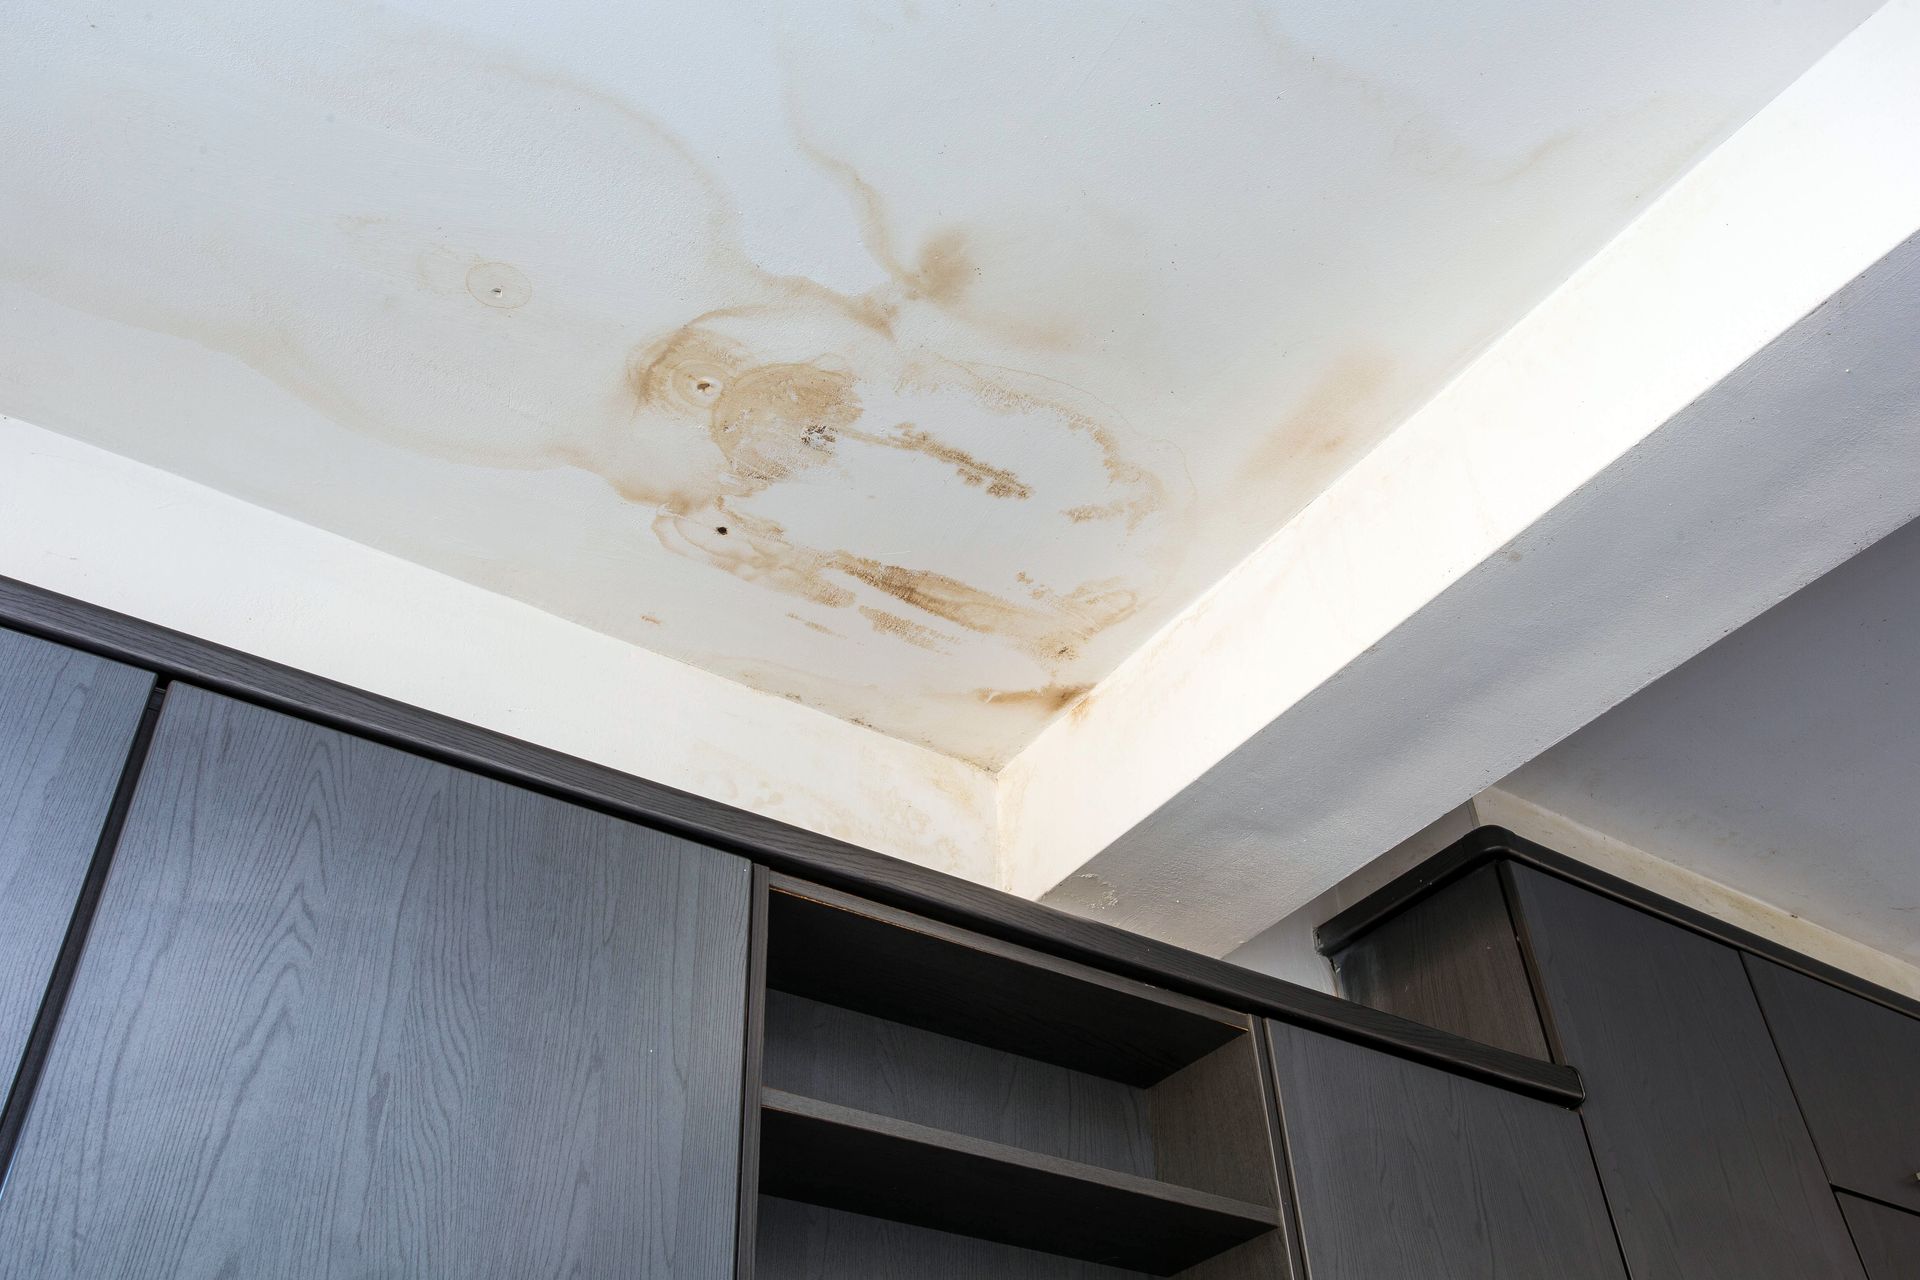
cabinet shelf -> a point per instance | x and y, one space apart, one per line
845 1158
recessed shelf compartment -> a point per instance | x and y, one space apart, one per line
927 1093
916 972
826 1154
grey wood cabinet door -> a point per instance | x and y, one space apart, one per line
67 720
348 1013
1706 1162
1855 1067
1406 1172
1888 1239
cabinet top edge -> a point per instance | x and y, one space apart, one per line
1491 844
816 859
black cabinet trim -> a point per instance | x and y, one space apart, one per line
753 1069
1497 844
824 861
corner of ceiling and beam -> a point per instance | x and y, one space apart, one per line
1717 408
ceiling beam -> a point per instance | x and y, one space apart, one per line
1719 407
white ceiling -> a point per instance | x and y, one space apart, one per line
913 362
1784 761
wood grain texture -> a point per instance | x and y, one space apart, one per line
857 955
1888 1239
1706 1162
1449 960
1401 1172
808 1242
1855 1068
857 1060
1210 1126
784 848
67 720
347 1013
821 1153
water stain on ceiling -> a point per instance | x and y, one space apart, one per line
889 364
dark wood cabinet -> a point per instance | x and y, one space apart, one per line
1888 1239
1706 1161
1450 961
67 720
299 1004
1855 1067
345 1012
1402 1172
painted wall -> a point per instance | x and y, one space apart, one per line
1287 950
1784 760
916 361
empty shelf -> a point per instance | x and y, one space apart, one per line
843 1158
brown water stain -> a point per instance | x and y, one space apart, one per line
935 593
778 419
1330 425
946 268
811 625
1049 699
697 419
892 624
1140 492
769 419
997 481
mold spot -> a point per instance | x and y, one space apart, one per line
499 285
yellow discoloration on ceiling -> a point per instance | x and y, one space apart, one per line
711 353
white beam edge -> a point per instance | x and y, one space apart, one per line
1806 455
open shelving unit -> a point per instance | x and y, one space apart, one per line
938 1104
